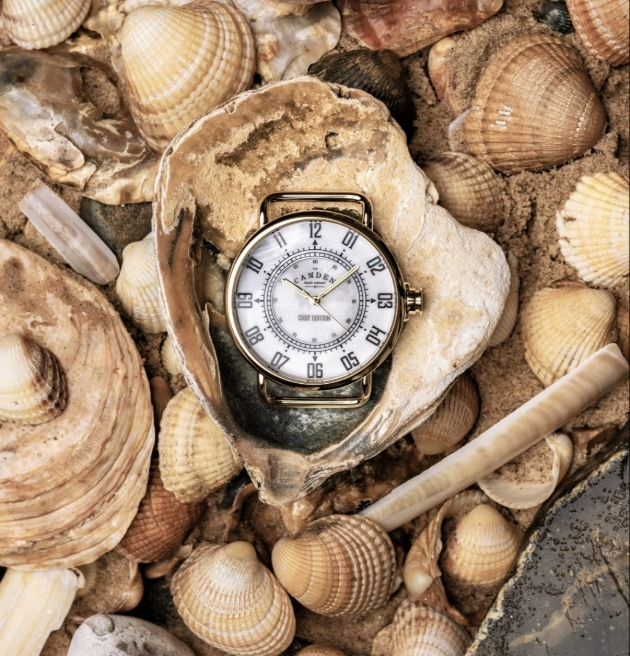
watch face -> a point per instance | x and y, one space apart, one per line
314 299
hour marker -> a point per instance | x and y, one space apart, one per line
373 336
280 240
375 265
279 360
254 265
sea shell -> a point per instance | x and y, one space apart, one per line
534 107
42 23
181 62
233 602
623 337
195 456
594 229
342 565
510 311
469 189
137 286
161 394
602 26
320 650
453 419
563 324
438 68
169 359
33 387
555 14
379 72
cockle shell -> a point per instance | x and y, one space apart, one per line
623 331
195 456
169 359
510 310
342 565
42 23
181 62
233 602
137 286
469 189
563 324
453 419
534 107
320 650
594 229
32 385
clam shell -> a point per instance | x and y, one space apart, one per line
233 602
169 359
453 419
340 565
42 23
195 456
510 310
623 331
320 650
534 107
469 189
32 386
563 324
181 62
137 286
594 229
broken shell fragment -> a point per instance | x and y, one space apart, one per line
438 66
510 310
320 650
169 359
555 14
232 601
623 331
32 385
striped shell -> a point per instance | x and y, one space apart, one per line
180 62
510 309
563 324
534 107
342 565
169 359
594 229
233 602
320 650
33 387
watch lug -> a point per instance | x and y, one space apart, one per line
413 301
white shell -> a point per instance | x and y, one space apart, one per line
169 359
510 310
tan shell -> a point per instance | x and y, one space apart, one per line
563 324
469 189
42 23
534 107
510 310
169 359
623 331
342 565
438 66
233 602
195 456
419 630
161 394
32 387
453 419
137 286
181 62
320 650
594 229
602 26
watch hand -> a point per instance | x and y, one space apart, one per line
300 291
337 282
332 316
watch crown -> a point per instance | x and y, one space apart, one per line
413 300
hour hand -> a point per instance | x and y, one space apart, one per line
337 282
299 290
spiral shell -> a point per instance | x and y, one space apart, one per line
594 229
563 324
534 107
169 359
180 62
233 602
510 309
320 650
32 385
42 23
623 321
342 565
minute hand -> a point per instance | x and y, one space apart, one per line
337 282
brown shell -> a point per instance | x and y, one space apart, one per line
534 107
623 320
510 310
320 650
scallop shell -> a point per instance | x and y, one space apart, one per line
469 189
563 324
534 107
453 419
169 359
137 286
555 14
33 387
233 602
42 23
320 650
623 331
510 311
181 62
341 565
594 229
195 456
602 26
418 630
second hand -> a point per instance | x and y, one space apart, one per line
330 315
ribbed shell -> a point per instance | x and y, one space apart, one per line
337 566
534 107
418 630
169 359
42 23
555 14
33 387
623 321
602 26
594 229
563 324
195 457
137 286
510 310
469 189
233 602
180 62
320 650
453 419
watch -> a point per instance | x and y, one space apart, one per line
315 301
